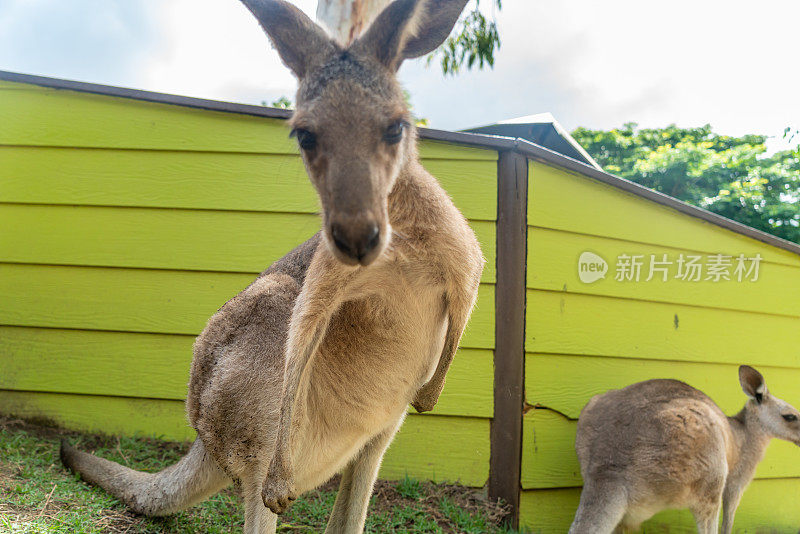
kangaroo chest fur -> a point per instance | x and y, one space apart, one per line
379 350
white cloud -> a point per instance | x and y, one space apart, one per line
597 64
215 49
600 64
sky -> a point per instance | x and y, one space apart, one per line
732 64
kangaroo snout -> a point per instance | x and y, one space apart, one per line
356 242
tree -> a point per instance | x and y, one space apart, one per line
474 42
730 176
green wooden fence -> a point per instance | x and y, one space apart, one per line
128 218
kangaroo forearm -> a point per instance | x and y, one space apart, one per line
428 395
300 352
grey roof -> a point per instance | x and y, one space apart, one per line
541 129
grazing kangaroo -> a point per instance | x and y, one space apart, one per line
309 371
662 444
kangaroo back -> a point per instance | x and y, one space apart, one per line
194 478
650 446
663 444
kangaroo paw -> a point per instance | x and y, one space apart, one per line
278 494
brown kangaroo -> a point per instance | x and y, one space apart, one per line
662 444
309 371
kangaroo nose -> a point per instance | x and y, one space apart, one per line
356 242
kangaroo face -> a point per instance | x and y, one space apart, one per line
351 122
777 418
355 133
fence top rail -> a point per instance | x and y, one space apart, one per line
491 142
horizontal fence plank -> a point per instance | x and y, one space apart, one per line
555 266
165 239
157 366
424 448
768 506
564 201
564 323
548 511
549 459
592 375
454 449
138 300
57 117
159 179
202 180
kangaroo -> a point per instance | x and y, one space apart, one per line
663 444
309 371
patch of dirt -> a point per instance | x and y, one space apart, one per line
472 500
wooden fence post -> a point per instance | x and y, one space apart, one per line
509 353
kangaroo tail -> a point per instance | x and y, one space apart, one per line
193 479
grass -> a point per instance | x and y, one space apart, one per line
37 495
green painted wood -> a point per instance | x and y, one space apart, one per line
768 506
548 511
202 180
549 459
573 203
165 239
156 178
96 363
592 375
554 266
548 451
163 419
565 323
68 118
138 300
440 150
452 449
437 447
157 366
150 238
73 119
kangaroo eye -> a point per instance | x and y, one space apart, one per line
790 417
307 140
394 133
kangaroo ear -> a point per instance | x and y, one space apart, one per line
299 41
408 29
752 383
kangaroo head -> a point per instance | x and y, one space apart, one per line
351 121
776 417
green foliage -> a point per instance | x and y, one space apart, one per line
730 176
282 103
474 42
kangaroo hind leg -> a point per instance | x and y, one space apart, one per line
358 478
258 519
707 518
601 509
